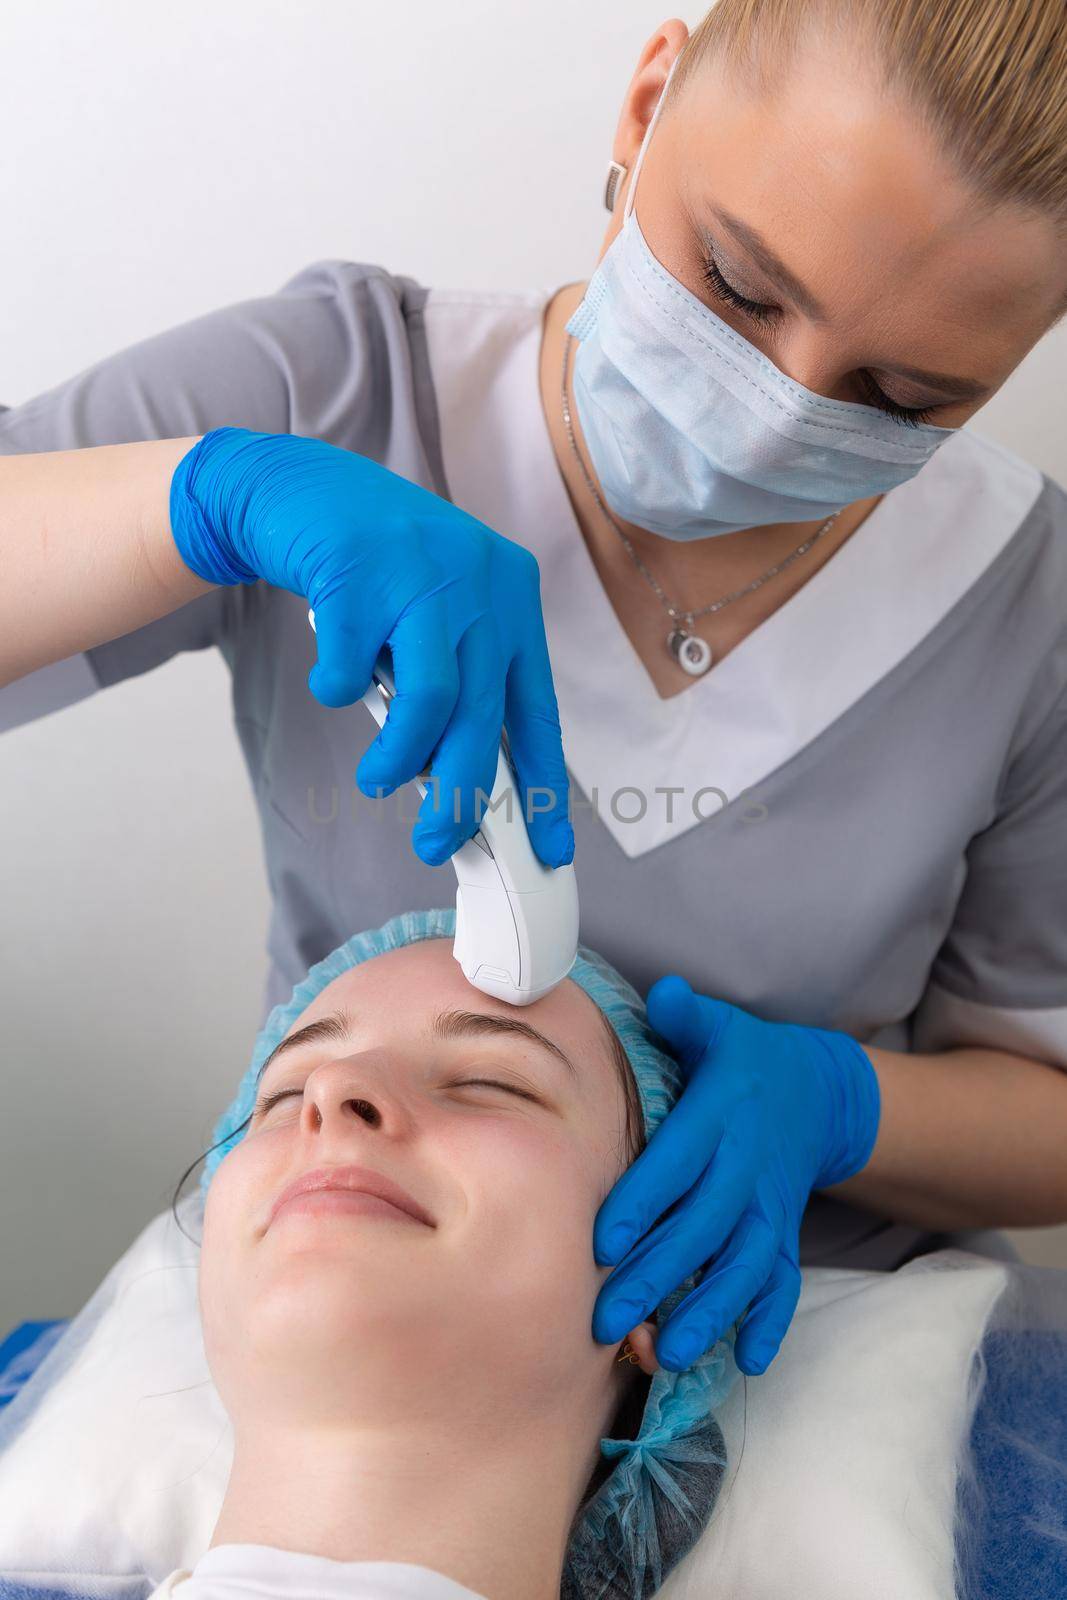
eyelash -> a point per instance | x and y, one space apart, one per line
911 417
263 1106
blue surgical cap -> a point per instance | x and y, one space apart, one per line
657 1500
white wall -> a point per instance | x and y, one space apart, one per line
160 162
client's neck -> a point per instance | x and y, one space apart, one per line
493 1516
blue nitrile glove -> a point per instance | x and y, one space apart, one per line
769 1112
384 561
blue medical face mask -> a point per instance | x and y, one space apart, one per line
692 431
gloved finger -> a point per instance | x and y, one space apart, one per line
687 1238
669 1165
732 1281
692 1024
346 653
465 761
426 677
536 741
760 1336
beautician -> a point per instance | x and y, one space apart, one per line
807 637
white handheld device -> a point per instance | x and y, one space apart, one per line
516 919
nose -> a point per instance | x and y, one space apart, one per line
357 1088
810 358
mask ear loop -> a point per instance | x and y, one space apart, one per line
632 190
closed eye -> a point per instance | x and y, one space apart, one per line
494 1083
758 310
264 1105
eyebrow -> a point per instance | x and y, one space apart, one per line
338 1027
779 274
469 1024
772 265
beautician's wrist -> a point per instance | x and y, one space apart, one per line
210 496
852 1100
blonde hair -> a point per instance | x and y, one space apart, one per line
987 77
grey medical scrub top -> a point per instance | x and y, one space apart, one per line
857 820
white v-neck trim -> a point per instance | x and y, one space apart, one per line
830 643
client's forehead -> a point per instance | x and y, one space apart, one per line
415 984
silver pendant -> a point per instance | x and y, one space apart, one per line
692 653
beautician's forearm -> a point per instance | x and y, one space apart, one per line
968 1139
86 551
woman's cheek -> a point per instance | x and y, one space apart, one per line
533 1161
536 1193
234 1217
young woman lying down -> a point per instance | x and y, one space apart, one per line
417 1400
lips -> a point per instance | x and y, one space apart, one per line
362 1180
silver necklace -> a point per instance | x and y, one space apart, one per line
692 653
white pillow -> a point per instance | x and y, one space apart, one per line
843 1457
114 1458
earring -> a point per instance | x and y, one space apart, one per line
628 1354
616 173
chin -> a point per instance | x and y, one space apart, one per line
315 1294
